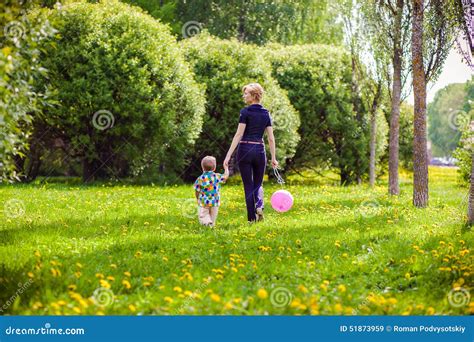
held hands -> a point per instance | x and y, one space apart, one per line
226 162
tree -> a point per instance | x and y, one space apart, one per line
259 22
128 102
389 23
420 156
428 54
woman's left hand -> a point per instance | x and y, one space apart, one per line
226 162
274 163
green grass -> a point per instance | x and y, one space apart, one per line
128 249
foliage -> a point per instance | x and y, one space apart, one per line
465 150
318 80
19 66
445 115
225 66
128 100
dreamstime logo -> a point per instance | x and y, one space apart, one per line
21 288
14 30
280 297
368 208
103 296
14 208
189 208
459 297
191 28
458 119
103 119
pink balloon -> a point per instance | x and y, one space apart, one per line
281 201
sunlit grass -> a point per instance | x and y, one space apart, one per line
127 249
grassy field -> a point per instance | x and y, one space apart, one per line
124 249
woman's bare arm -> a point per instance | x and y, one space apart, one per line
271 142
235 141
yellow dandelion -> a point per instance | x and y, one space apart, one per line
126 284
168 299
105 283
99 275
132 308
72 287
127 274
177 289
215 298
31 275
341 288
262 294
302 288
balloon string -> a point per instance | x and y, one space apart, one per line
278 177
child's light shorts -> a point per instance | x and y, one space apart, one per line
207 215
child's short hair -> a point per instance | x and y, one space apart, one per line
208 163
255 90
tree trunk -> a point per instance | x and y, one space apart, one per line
470 210
396 95
420 156
356 106
88 170
373 133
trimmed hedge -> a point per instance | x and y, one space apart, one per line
116 64
225 66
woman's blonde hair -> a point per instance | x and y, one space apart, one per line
255 90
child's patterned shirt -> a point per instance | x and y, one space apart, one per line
208 186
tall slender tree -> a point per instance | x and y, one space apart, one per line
420 156
433 32
389 22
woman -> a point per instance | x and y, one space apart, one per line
254 121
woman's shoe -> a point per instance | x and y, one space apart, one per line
259 212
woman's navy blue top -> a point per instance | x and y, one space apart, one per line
256 119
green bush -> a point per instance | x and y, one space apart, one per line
318 80
225 66
19 66
464 154
128 101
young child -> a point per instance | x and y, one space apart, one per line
207 187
